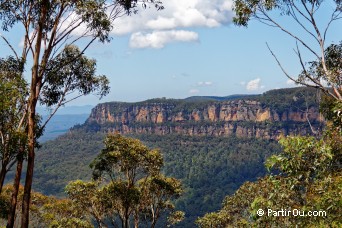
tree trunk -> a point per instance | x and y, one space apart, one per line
154 221
126 218
136 221
29 175
125 225
16 184
30 163
34 94
3 174
30 157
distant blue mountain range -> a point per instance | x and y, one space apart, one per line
63 120
69 110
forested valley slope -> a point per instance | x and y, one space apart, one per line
212 144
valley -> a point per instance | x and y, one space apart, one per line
213 145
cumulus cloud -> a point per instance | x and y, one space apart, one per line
254 85
204 83
177 15
154 29
159 39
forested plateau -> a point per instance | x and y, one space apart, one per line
212 144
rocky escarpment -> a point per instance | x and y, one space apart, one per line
241 117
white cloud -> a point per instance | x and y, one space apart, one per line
159 39
177 16
194 91
254 85
205 83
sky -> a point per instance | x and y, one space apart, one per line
192 48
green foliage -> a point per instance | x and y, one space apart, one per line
136 188
303 156
332 112
71 71
57 72
65 159
297 99
13 94
46 211
332 57
325 70
308 178
87 199
245 10
209 167
176 217
4 206
126 156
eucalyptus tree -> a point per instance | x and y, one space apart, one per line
13 93
308 179
128 186
325 69
59 71
125 162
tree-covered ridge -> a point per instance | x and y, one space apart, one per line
299 98
270 115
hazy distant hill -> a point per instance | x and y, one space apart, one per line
60 124
63 120
216 98
68 110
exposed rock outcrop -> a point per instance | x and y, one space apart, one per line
243 118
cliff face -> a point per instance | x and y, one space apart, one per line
243 118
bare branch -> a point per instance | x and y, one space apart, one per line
10 46
296 80
59 104
74 98
288 32
294 16
333 18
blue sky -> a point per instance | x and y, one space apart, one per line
192 49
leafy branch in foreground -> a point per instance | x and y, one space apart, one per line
325 70
308 179
51 30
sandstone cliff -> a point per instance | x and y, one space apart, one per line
241 117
